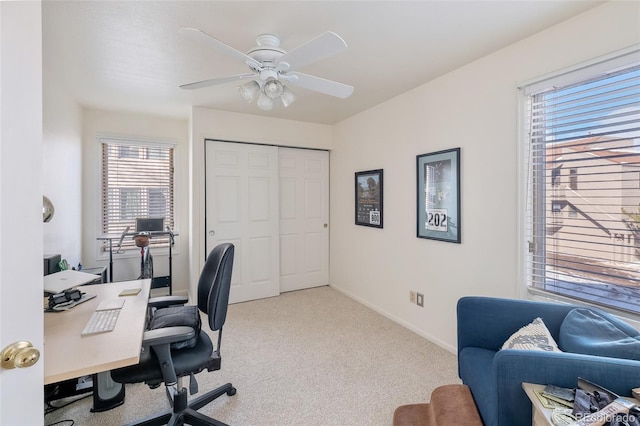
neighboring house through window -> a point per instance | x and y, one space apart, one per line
137 182
582 220
573 179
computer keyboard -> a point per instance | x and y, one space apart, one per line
101 322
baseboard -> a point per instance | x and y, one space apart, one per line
421 333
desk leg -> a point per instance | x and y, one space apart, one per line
107 394
170 266
110 261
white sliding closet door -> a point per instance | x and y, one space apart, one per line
304 218
273 205
242 208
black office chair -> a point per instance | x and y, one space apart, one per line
159 362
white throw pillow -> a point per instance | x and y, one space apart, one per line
534 336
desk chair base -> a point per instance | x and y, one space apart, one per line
185 413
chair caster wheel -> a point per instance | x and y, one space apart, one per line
231 391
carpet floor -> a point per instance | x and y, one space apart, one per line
309 357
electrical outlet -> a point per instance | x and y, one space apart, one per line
420 299
412 296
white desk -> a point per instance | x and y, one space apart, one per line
68 355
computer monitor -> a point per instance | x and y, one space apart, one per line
147 224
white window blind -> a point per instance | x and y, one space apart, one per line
583 190
137 182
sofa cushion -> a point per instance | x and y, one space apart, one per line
533 336
590 332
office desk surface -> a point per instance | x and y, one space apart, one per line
67 354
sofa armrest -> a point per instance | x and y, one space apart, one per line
513 367
486 322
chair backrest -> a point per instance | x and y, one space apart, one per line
215 283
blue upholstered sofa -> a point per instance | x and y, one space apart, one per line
495 376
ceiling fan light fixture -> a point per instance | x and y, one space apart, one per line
273 89
249 90
270 66
287 96
264 102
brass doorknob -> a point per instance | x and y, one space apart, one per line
19 355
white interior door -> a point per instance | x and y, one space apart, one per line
242 208
21 227
304 218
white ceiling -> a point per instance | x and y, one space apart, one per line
128 55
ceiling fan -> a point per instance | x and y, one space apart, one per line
271 66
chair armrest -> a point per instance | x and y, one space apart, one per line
513 367
486 322
160 341
164 301
167 335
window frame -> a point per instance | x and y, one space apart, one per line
145 151
625 58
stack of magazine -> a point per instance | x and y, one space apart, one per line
560 400
553 396
600 407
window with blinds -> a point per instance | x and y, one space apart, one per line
137 182
583 190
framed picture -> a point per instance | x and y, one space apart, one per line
438 201
369 198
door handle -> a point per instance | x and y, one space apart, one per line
19 355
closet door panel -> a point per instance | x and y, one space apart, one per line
242 207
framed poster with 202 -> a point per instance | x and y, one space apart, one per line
368 198
438 195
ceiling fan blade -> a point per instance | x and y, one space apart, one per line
317 84
214 81
202 37
321 47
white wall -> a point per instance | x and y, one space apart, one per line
234 127
474 108
62 172
97 123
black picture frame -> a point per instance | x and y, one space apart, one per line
438 195
369 198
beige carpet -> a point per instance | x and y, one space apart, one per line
310 357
